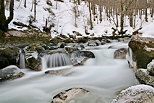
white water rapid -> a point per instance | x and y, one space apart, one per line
102 76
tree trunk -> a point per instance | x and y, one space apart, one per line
25 3
11 13
91 23
35 10
3 22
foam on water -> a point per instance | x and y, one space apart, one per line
103 76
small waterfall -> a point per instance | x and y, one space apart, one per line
22 59
56 60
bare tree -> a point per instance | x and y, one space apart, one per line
3 21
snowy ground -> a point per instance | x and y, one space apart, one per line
61 14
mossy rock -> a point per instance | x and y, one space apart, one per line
33 64
141 53
35 47
8 56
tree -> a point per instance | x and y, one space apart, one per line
3 21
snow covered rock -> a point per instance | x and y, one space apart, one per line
69 95
143 76
10 72
142 51
120 53
150 68
136 94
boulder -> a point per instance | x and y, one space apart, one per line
93 43
64 72
143 76
8 56
70 49
61 45
120 53
33 63
142 51
79 57
150 68
10 72
35 47
68 95
104 41
136 94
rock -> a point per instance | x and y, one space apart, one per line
61 45
136 94
143 76
77 33
70 49
93 43
79 57
10 72
104 41
35 47
150 68
120 53
64 72
68 95
33 63
142 51
8 56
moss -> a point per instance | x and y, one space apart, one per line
82 40
143 58
23 40
56 40
68 41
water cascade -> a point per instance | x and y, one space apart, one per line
56 60
103 76
22 59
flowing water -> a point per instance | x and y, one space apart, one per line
22 59
102 76
57 60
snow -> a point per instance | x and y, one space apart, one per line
148 30
136 94
62 16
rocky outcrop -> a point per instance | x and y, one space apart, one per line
142 51
136 94
8 56
68 95
10 72
120 53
